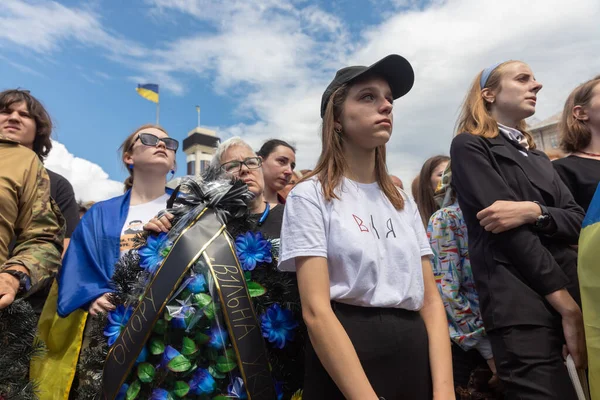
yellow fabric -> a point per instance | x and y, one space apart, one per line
589 283
148 94
54 372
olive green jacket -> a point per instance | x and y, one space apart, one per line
28 214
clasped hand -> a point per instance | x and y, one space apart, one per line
504 215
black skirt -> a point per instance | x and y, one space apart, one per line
393 349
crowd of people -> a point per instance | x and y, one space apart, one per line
467 289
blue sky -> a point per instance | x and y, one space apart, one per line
258 68
92 98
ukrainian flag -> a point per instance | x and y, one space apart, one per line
589 284
148 91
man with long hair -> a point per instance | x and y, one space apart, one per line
29 217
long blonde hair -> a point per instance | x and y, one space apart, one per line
332 163
475 117
126 147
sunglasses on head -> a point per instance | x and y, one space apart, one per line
149 139
236 165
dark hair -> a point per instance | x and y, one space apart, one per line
575 135
43 124
270 145
424 196
125 148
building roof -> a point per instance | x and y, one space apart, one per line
200 136
553 120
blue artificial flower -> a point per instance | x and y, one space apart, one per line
218 337
117 319
169 354
179 323
154 252
278 325
160 394
122 392
252 249
202 382
236 389
196 283
143 356
279 389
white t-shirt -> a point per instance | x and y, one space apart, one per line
137 216
373 250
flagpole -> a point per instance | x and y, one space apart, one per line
157 111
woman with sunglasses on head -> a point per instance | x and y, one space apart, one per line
375 319
108 229
278 163
522 221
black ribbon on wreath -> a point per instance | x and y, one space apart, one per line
202 211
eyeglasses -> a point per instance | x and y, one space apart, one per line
234 166
149 139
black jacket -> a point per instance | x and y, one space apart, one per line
515 269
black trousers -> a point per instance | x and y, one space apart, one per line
463 364
392 347
530 363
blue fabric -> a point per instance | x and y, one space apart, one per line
593 213
94 250
89 263
485 75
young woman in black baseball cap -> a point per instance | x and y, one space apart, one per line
376 322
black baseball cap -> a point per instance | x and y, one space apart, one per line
395 69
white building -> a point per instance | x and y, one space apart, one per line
545 133
200 145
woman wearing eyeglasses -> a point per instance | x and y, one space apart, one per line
108 229
236 159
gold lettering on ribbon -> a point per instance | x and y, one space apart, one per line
133 323
118 349
238 287
235 302
247 329
242 323
151 298
242 312
229 270
142 309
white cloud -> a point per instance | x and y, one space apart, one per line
89 180
47 26
275 57
283 57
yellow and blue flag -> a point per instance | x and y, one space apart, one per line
148 91
588 267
